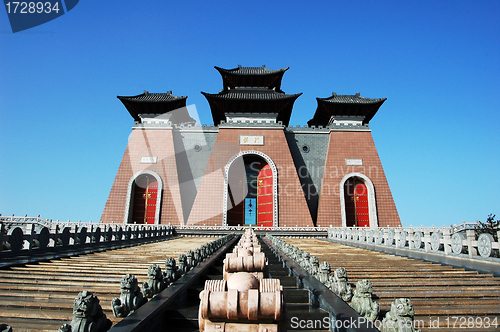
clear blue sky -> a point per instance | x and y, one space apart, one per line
63 131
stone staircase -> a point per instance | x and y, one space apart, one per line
444 297
39 297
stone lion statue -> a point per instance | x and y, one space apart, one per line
340 285
155 283
362 300
182 267
324 273
190 259
130 299
313 265
170 274
87 315
400 318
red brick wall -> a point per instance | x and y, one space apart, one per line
292 206
356 145
144 142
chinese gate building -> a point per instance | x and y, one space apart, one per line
250 167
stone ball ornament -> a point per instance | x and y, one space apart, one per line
242 281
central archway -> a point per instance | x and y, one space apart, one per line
357 201
250 190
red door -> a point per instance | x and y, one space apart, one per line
144 208
356 204
265 197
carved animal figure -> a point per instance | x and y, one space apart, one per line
197 257
340 285
323 274
305 260
130 297
313 265
182 267
155 283
362 300
170 274
400 318
87 315
190 259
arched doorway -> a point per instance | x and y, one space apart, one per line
145 194
251 190
356 203
144 197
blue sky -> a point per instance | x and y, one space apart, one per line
63 131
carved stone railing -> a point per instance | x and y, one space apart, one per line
32 238
242 228
461 240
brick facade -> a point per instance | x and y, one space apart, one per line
356 145
145 143
292 206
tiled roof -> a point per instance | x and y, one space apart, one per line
152 103
153 97
251 94
251 100
252 70
353 106
351 99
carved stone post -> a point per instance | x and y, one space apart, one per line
447 240
410 239
471 238
427 240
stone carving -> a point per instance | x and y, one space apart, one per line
197 257
190 259
130 297
484 244
87 315
313 265
182 266
305 260
400 318
436 241
324 274
170 274
340 285
417 240
457 240
155 283
362 300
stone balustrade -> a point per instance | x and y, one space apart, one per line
34 236
461 240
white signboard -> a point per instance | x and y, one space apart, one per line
251 140
354 162
148 160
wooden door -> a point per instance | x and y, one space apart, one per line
265 197
145 194
356 203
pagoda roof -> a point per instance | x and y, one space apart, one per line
261 77
152 103
251 100
350 106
